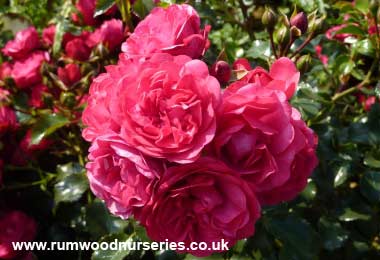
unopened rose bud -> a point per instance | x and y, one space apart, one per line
282 36
316 25
300 22
295 32
67 99
303 63
221 71
269 19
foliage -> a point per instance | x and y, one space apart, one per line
336 216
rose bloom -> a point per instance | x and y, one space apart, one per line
165 107
70 74
8 120
283 75
264 139
77 48
27 72
48 35
15 226
175 30
36 95
5 70
109 34
204 201
241 64
332 34
86 10
121 175
25 41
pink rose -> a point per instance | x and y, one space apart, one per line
175 30
121 176
70 74
15 226
241 64
109 34
25 41
264 139
283 75
27 72
204 201
97 115
5 70
78 49
86 9
165 107
36 95
8 120
48 35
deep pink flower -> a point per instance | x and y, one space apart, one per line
261 136
221 71
36 95
121 175
25 42
367 102
15 226
241 64
175 30
165 107
86 11
283 75
323 58
48 35
78 49
27 72
211 203
110 34
70 74
5 70
8 119
332 33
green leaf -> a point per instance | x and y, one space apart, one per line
364 47
351 215
341 175
310 191
102 6
332 234
46 125
371 161
370 186
352 29
143 7
362 5
296 234
100 221
114 252
71 182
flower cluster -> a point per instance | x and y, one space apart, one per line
189 160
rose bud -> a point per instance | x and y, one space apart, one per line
269 19
8 119
303 63
282 36
221 71
70 74
5 70
78 49
109 34
300 22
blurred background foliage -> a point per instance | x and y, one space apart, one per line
338 214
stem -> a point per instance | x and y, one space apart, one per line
306 42
344 93
272 43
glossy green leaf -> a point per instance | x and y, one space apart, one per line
46 125
71 183
342 174
370 186
102 6
351 29
351 215
371 161
332 234
362 5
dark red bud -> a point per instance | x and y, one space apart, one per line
300 22
221 71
